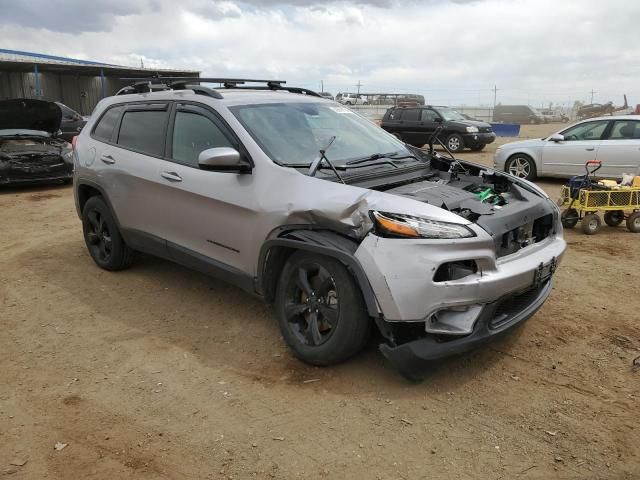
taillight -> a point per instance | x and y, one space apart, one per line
73 141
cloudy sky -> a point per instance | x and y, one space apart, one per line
452 51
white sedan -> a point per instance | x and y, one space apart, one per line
614 140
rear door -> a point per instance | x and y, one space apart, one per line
411 126
581 143
619 151
131 168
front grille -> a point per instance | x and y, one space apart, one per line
509 307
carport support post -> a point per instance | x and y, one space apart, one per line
37 77
102 85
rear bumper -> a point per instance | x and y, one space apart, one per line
413 359
477 139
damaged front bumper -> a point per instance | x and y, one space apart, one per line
414 358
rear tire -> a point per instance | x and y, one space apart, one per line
613 218
320 310
102 236
455 143
569 218
591 224
521 166
633 222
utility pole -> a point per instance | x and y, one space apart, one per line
495 95
322 85
592 92
358 85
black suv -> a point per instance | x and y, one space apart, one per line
416 125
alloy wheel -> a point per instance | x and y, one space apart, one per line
98 236
520 167
312 305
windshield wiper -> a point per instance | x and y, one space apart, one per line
313 168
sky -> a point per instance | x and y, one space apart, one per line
452 51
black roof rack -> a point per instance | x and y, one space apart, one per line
143 85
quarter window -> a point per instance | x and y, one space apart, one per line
143 131
585 131
105 126
625 130
194 133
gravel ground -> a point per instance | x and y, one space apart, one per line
160 372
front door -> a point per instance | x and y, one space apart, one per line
580 144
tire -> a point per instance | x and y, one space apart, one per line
102 237
633 222
591 224
478 148
613 218
308 285
522 166
569 218
455 143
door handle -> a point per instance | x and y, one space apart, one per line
108 159
171 176
590 149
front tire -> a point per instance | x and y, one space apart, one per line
591 224
613 218
320 310
455 143
569 218
521 166
102 237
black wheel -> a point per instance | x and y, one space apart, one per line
103 239
633 222
591 223
455 143
522 166
614 218
320 309
569 218
477 148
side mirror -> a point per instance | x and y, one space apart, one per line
223 159
556 137
438 119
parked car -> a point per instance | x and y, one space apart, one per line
416 125
353 99
30 149
614 140
72 122
308 205
520 114
326 95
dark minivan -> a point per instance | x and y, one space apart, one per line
521 114
416 125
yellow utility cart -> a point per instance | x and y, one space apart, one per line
584 197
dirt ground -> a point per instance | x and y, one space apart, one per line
158 372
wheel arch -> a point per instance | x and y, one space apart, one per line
527 154
85 190
275 252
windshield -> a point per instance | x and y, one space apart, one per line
294 133
450 115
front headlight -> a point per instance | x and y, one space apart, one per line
407 226
472 129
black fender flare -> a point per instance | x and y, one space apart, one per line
324 242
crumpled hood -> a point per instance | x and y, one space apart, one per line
28 114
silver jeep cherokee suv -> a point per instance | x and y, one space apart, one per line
306 204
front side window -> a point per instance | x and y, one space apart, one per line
585 131
429 115
294 133
105 126
193 133
143 131
451 115
625 130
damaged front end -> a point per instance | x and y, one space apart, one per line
29 159
441 296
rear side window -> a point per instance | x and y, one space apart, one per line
625 130
143 131
411 115
193 133
105 126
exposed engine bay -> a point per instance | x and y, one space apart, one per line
512 213
34 158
